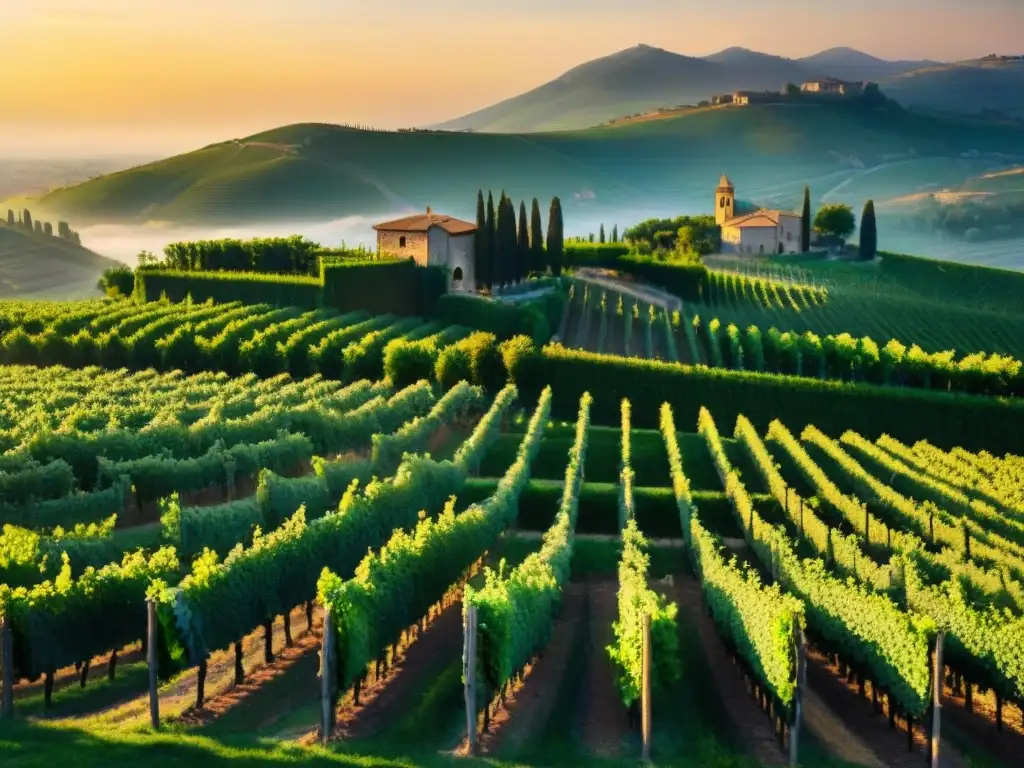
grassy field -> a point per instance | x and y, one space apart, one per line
311 171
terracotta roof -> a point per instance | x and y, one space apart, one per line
421 222
761 218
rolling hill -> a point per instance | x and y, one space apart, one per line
34 266
849 64
970 86
319 172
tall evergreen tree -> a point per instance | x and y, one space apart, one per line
805 222
10 217
600 234
868 231
491 241
537 261
615 233
556 237
500 255
511 243
48 228
523 244
481 257
26 219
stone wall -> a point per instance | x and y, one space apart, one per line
390 244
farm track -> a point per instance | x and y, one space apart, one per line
383 701
979 727
858 717
528 709
177 697
750 727
605 727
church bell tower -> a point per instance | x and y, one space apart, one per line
725 201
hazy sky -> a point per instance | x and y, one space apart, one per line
89 76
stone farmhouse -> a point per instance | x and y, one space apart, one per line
825 87
761 232
432 239
833 87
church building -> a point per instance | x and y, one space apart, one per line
760 232
432 239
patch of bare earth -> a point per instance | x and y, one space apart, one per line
99 667
979 725
752 729
178 697
605 723
422 657
870 726
528 706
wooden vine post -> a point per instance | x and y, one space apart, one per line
6 668
327 676
469 675
151 641
645 691
800 648
937 700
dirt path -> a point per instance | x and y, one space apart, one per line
528 709
980 726
177 697
752 728
867 726
832 732
605 725
383 701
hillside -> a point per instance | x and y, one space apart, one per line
849 64
40 267
633 80
318 172
972 86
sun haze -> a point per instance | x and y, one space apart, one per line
147 75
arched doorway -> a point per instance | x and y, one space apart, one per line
457 279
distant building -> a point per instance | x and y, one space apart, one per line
721 98
834 87
761 232
756 97
432 239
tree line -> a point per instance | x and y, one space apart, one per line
24 221
836 220
507 250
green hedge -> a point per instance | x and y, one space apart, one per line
944 419
685 280
250 287
594 254
503 319
380 287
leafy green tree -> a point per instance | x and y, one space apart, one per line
805 222
868 232
523 245
117 281
492 246
556 237
835 219
537 257
481 259
600 234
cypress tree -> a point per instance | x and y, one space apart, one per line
868 231
509 268
500 255
537 260
481 258
523 249
26 219
10 217
491 241
805 222
600 234
615 233
556 242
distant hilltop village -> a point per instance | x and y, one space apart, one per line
824 88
